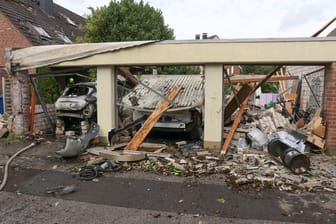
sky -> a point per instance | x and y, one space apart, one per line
230 19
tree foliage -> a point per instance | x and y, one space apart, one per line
126 20
48 89
269 87
256 69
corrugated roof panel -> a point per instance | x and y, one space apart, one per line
191 93
40 56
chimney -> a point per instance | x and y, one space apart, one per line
47 7
197 36
204 36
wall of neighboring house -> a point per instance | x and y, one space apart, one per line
10 37
316 81
232 69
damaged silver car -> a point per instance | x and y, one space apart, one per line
78 101
185 114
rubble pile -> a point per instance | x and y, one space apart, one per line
248 169
251 169
266 151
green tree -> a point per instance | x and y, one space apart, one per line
256 69
269 87
126 20
48 89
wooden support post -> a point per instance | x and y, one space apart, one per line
234 127
164 105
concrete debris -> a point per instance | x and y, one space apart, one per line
258 138
264 153
61 190
250 169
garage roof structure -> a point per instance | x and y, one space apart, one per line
213 54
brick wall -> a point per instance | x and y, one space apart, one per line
329 108
232 69
41 123
10 37
20 94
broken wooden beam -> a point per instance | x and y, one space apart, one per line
257 78
163 106
231 106
233 127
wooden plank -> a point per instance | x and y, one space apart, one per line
300 123
251 78
233 128
290 97
316 140
319 128
241 130
164 105
231 107
289 108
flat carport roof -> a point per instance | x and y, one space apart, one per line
317 50
211 53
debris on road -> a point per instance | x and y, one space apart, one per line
61 190
74 146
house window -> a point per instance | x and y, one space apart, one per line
63 37
43 34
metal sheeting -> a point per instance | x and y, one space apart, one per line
40 56
191 94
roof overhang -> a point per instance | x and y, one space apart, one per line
298 51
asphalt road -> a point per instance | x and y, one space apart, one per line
139 197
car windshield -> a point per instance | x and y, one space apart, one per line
77 91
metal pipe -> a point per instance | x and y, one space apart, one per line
284 148
4 179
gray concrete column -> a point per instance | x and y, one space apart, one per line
106 100
213 112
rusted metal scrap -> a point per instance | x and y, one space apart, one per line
289 151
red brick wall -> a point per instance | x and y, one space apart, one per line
232 69
329 108
10 37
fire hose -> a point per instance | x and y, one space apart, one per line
4 179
